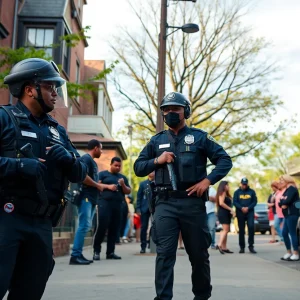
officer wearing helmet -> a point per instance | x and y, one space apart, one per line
180 202
32 184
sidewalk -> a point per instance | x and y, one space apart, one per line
234 277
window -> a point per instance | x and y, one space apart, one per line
66 56
77 71
40 38
79 7
77 75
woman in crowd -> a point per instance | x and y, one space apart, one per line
279 217
291 215
129 225
225 213
272 210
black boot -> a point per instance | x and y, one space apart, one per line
90 261
242 250
113 256
96 256
77 260
251 249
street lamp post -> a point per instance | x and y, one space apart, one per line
187 28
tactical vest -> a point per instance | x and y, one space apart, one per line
190 161
20 186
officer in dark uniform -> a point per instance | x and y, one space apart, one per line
32 186
180 202
244 200
144 197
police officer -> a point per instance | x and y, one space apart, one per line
144 196
186 150
32 188
244 199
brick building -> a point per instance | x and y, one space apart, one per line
40 24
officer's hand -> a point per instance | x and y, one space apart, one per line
199 188
31 167
166 157
59 154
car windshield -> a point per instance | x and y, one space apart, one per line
261 207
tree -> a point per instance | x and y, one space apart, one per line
222 70
279 152
10 57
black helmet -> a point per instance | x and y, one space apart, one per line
32 69
177 99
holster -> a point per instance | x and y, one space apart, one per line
58 214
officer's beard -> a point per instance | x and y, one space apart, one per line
172 119
46 109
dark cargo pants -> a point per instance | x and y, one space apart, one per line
25 255
187 215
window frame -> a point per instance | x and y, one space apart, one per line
36 27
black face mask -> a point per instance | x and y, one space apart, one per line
172 119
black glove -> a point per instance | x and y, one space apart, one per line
60 155
31 167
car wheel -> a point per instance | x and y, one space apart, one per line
263 232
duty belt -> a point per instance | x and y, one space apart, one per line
29 207
168 193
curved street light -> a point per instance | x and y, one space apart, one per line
187 28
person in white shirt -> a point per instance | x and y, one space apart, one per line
211 215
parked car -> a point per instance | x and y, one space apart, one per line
261 216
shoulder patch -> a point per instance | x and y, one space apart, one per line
211 138
198 129
161 132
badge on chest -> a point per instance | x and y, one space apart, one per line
189 139
54 133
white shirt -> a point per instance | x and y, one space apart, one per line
210 206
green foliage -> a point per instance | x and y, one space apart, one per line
10 57
73 39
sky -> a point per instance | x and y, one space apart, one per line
276 20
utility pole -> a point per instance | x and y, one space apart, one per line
162 63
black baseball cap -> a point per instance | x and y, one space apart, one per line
244 180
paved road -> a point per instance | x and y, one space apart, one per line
234 276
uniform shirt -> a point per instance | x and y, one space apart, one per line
210 206
92 193
190 142
107 177
142 204
245 198
41 134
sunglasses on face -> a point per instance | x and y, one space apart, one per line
49 87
